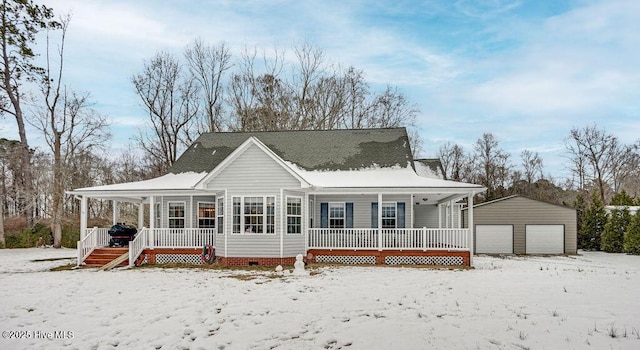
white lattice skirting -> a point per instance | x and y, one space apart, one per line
178 259
423 260
346 259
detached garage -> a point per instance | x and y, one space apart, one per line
520 225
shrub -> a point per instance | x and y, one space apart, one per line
612 239
593 222
632 236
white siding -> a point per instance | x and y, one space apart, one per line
361 207
425 216
253 170
254 173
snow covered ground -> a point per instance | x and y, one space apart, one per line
585 302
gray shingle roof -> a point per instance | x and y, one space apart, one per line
308 149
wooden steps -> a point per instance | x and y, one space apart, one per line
103 256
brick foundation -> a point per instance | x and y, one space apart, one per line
381 255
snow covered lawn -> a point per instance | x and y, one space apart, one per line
585 302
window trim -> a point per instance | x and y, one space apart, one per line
215 215
265 214
344 214
158 215
184 210
220 215
286 231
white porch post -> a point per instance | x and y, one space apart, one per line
305 215
413 222
115 212
470 213
439 215
140 215
152 220
380 221
83 216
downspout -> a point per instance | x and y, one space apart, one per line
225 221
281 224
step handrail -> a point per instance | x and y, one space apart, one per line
137 245
86 245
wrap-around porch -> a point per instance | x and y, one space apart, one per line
318 244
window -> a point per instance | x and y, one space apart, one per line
294 215
336 215
206 215
271 215
220 216
236 214
176 214
158 215
254 215
389 215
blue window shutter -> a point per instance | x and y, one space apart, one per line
374 214
348 208
400 223
324 215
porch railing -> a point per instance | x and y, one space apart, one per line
137 245
96 237
381 239
183 237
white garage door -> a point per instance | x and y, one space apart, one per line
545 239
494 239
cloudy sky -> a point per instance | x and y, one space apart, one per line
525 70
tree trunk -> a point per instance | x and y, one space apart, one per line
58 192
2 241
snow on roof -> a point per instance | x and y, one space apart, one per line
181 181
426 171
389 177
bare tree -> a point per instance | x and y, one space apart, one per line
596 155
316 95
67 125
21 21
492 165
532 166
172 103
208 65
454 161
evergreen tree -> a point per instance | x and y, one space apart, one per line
632 236
593 222
580 206
612 240
622 198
